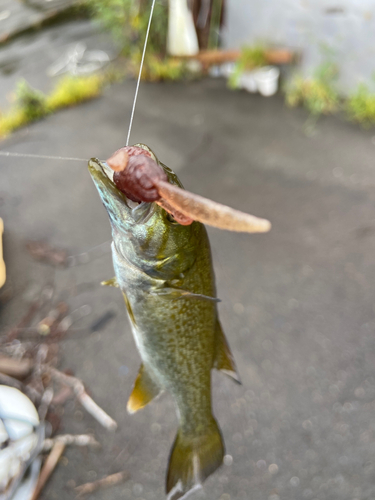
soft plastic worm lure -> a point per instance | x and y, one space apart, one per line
140 178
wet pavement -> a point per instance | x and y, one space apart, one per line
297 303
17 16
31 56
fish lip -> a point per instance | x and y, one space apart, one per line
101 173
100 167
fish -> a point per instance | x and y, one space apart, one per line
165 273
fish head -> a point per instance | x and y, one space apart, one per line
144 233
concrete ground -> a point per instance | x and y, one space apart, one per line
18 16
297 303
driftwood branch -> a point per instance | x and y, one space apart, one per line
48 468
86 401
107 481
17 368
273 56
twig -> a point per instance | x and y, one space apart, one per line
64 393
112 480
18 368
44 403
70 439
41 357
86 401
48 467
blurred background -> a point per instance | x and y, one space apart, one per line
268 107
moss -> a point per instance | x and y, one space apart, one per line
157 69
360 106
73 90
30 101
31 105
12 121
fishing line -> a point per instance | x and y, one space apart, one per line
140 72
42 157
46 157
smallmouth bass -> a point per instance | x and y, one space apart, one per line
165 273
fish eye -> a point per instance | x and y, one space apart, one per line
171 219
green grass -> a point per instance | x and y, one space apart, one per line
72 90
31 105
317 96
360 106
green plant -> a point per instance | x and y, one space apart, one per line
72 90
250 58
127 21
31 105
318 94
30 101
360 106
157 69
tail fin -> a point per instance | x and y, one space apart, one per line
192 460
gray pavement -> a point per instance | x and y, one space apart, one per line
17 16
297 303
30 56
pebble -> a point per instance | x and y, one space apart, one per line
225 496
137 489
294 481
273 469
78 415
155 428
261 464
238 308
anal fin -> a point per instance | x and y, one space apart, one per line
224 360
144 391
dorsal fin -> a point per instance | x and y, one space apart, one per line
111 282
224 360
144 391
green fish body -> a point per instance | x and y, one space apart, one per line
165 273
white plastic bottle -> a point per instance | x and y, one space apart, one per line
182 37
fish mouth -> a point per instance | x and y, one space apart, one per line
102 175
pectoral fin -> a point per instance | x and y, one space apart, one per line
144 391
111 282
224 360
179 293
